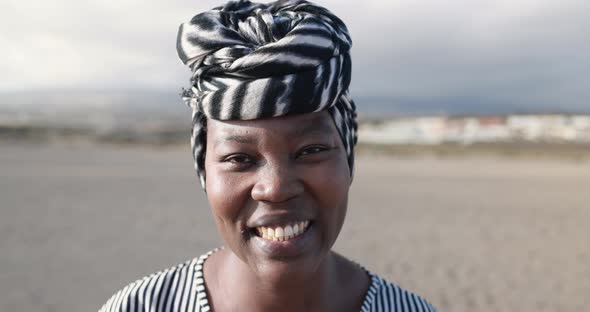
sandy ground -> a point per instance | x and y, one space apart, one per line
472 234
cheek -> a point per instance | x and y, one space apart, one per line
330 185
225 200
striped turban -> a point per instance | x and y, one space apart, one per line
260 60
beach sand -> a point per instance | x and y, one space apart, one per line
78 222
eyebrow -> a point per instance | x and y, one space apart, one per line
313 128
242 139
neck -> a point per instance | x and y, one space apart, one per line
292 291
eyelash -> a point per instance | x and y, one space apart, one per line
235 157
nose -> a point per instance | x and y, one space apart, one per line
276 183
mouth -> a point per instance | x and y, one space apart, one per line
282 233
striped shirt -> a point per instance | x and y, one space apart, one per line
182 288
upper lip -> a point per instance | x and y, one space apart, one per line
278 219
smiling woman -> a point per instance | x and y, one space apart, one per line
273 136
280 179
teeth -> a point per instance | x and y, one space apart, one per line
279 233
282 233
288 231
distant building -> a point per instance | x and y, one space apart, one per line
468 130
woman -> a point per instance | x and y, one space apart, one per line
273 136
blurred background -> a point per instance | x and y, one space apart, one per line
472 183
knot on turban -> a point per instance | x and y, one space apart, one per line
254 60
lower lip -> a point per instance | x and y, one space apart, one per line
285 249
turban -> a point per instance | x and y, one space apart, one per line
260 60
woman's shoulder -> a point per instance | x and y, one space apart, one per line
177 288
384 296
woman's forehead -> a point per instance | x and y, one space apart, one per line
287 126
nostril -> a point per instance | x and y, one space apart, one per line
275 194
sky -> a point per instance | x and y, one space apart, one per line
518 54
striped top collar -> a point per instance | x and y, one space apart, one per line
203 300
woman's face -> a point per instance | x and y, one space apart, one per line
278 189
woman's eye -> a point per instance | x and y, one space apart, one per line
313 150
239 159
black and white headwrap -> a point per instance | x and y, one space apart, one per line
259 60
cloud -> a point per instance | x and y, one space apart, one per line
522 52
519 52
